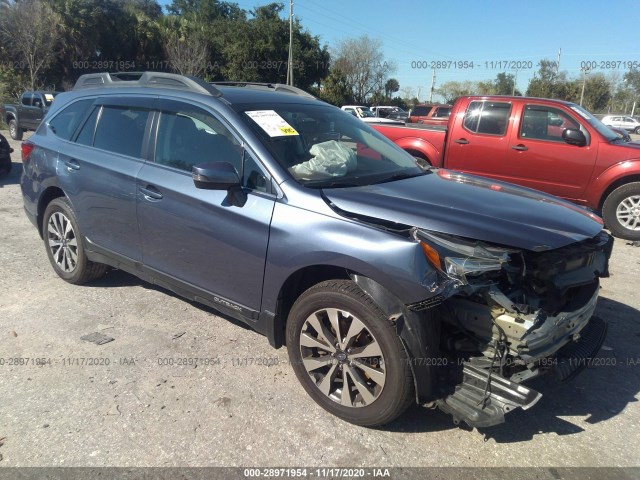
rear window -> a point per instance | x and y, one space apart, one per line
442 112
420 111
65 123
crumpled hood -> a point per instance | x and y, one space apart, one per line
472 207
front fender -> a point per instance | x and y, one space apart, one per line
306 238
611 175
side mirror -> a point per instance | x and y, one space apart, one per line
37 104
215 176
574 137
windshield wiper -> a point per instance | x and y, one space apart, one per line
331 184
402 176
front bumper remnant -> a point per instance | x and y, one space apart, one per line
470 404
482 405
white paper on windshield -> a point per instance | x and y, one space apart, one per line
272 123
48 97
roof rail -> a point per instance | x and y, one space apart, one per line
146 79
278 87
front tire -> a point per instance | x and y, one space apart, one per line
14 131
64 244
621 211
347 355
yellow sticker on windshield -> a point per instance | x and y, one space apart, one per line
272 123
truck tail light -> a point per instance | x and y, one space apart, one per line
27 148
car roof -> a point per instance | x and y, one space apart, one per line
179 85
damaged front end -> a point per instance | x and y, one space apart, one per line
509 315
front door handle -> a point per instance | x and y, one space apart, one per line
72 164
462 141
151 193
520 147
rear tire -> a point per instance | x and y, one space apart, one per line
65 244
366 354
14 131
621 211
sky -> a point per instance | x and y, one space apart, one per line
496 36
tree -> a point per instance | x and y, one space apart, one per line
363 65
335 89
30 30
185 46
391 87
549 83
505 84
452 90
597 92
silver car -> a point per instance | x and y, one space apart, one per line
629 124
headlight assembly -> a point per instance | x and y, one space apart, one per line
460 259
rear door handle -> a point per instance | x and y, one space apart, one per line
520 147
151 193
72 164
462 141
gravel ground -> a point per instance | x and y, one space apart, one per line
123 403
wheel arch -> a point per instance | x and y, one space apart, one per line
10 116
298 282
49 194
421 148
617 184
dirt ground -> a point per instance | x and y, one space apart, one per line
132 402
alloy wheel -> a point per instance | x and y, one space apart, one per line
62 242
342 357
628 212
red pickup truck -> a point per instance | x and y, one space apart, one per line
549 145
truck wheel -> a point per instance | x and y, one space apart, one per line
637 131
64 244
347 356
14 131
621 211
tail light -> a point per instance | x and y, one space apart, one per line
27 148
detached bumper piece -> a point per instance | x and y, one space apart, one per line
476 408
575 356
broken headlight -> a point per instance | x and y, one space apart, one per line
461 259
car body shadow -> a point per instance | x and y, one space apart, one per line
115 278
14 175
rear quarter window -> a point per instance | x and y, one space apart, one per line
65 123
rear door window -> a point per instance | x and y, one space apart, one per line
487 117
85 137
121 130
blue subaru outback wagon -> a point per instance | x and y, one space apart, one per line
389 282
